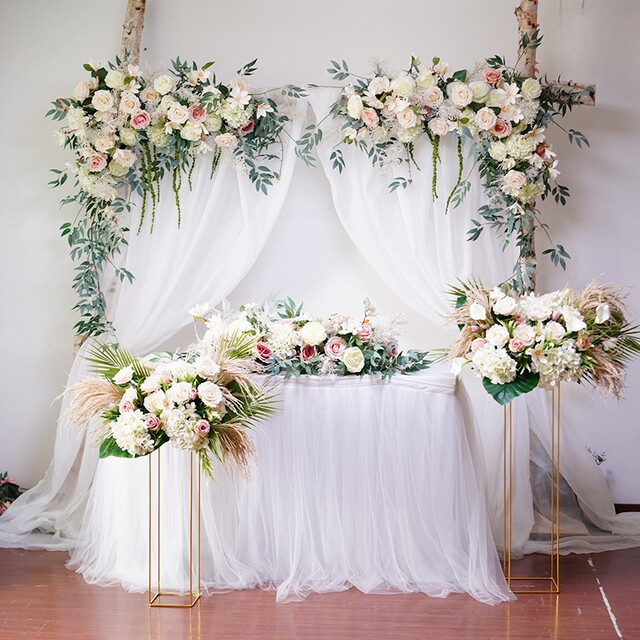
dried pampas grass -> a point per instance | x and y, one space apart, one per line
89 397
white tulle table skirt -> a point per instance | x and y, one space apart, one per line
359 482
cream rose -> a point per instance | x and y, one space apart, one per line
513 181
104 143
177 113
129 102
313 333
125 157
117 170
191 131
226 140
403 85
479 90
353 359
210 394
128 136
156 401
179 392
163 84
496 98
81 91
370 117
102 100
554 331
525 333
531 89
213 123
354 107
460 94
485 118
378 85
439 126
407 118
426 79
114 79
207 367
149 95
505 306
432 97
497 335
150 384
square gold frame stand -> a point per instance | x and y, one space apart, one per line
193 595
531 584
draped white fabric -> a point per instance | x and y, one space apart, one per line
225 225
419 251
381 490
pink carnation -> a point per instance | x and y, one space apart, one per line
140 120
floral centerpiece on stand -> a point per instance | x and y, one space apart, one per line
518 342
289 341
201 400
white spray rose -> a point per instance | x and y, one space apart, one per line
426 79
128 136
353 359
403 85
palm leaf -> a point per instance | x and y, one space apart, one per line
107 359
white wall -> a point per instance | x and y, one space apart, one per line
43 45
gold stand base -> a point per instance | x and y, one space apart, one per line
532 584
155 596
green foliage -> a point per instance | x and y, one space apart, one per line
107 359
505 393
339 70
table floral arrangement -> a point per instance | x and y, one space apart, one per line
290 342
202 400
9 491
518 342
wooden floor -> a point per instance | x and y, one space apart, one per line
40 598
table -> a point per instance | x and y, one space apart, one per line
359 482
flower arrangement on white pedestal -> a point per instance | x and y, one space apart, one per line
128 129
288 341
202 400
518 342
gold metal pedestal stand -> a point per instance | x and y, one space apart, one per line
532 584
194 596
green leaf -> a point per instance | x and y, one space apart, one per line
505 393
109 448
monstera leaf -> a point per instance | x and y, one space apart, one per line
505 393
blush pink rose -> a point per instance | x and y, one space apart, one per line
307 352
193 394
202 427
492 76
264 352
478 343
364 332
126 406
197 113
140 120
152 422
516 345
335 347
501 128
96 163
583 342
369 117
246 128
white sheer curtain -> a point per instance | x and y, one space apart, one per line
225 225
419 251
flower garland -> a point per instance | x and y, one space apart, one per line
502 114
202 400
518 342
289 342
128 130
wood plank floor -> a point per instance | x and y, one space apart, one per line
40 598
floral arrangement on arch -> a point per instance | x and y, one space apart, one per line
201 400
517 342
129 129
290 342
503 115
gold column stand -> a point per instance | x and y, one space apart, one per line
155 598
532 584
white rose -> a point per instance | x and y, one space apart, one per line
513 181
432 96
191 131
354 106
114 79
525 333
226 140
531 89
554 331
124 375
479 90
353 359
426 79
102 100
129 102
213 123
150 384
156 401
313 333
496 97
179 392
460 94
603 313
104 143
498 151
439 126
81 91
128 136
239 86
407 118
207 367
403 85
177 113
477 311
485 118
149 95
378 85
125 157
497 335
210 394
505 306
163 84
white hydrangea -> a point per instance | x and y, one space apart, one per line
131 434
556 364
494 363
180 426
283 339
234 116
